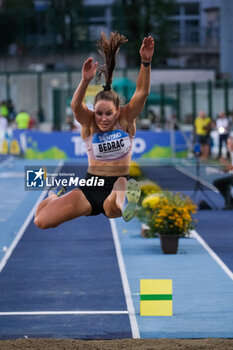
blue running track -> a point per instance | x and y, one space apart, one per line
81 280
71 268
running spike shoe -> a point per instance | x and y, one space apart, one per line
133 194
58 190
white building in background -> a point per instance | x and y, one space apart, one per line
100 17
196 37
226 42
203 35
196 26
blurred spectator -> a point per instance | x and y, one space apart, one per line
22 120
3 109
155 120
202 130
11 110
224 184
145 124
3 130
71 124
32 124
188 119
222 125
3 123
152 116
172 122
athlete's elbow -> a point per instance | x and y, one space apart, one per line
73 105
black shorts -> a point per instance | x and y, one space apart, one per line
203 139
96 195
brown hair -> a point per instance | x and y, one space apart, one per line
108 48
108 96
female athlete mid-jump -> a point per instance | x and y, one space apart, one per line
108 132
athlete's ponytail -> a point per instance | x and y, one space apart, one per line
108 48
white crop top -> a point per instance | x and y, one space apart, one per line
109 145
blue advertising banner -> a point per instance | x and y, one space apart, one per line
63 145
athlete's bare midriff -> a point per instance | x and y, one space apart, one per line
109 168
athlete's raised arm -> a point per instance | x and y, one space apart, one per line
81 112
136 104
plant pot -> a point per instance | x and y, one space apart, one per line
169 243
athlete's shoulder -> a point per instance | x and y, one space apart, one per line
128 126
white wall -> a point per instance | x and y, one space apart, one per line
171 76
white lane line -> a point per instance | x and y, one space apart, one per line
21 232
125 282
23 227
47 313
11 175
195 177
212 254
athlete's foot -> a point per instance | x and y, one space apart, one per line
57 191
133 194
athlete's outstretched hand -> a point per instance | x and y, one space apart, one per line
147 49
89 69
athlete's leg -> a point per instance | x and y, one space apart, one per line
113 204
55 210
133 192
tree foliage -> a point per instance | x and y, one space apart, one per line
54 25
17 5
62 26
145 17
10 18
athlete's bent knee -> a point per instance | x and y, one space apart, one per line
41 223
113 214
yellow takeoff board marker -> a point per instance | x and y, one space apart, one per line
155 297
